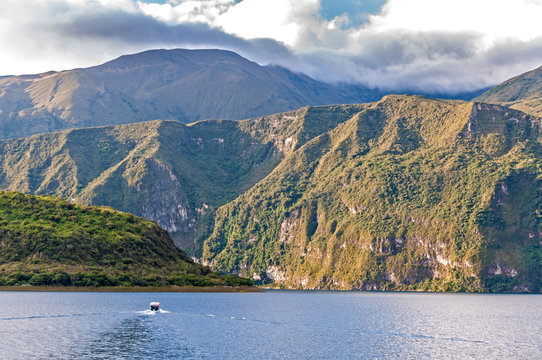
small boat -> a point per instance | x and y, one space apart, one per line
155 306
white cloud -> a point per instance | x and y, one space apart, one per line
427 40
191 11
493 19
437 45
30 44
286 20
282 20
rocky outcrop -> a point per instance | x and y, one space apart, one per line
165 201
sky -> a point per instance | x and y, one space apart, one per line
445 46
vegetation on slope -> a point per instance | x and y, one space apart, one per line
523 92
48 241
164 171
409 193
405 193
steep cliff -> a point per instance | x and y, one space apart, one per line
409 193
164 171
404 193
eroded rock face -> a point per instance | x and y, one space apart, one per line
287 226
165 201
275 274
502 269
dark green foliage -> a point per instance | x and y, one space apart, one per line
48 241
312 220
499 284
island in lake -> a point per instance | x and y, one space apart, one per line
46 241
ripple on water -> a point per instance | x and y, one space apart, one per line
271 325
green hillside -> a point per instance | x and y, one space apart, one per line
404 193
48 241
523 92
164 171
410 193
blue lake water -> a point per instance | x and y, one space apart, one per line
270 325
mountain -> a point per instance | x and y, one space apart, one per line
404 193
183 85
164 171
48 241
409 193
523 92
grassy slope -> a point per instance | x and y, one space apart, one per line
405 195
48 241
162 170
523 92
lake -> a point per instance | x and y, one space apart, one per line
270 325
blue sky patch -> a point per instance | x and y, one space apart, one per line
358 10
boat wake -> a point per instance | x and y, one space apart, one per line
153 312
146 312
49 316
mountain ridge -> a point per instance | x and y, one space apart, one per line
385 212
522 92
183 169
332 197
178 84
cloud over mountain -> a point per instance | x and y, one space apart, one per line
427 45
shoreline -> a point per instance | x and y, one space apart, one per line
136 289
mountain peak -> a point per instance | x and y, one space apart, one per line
522 92
176 56
177 84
